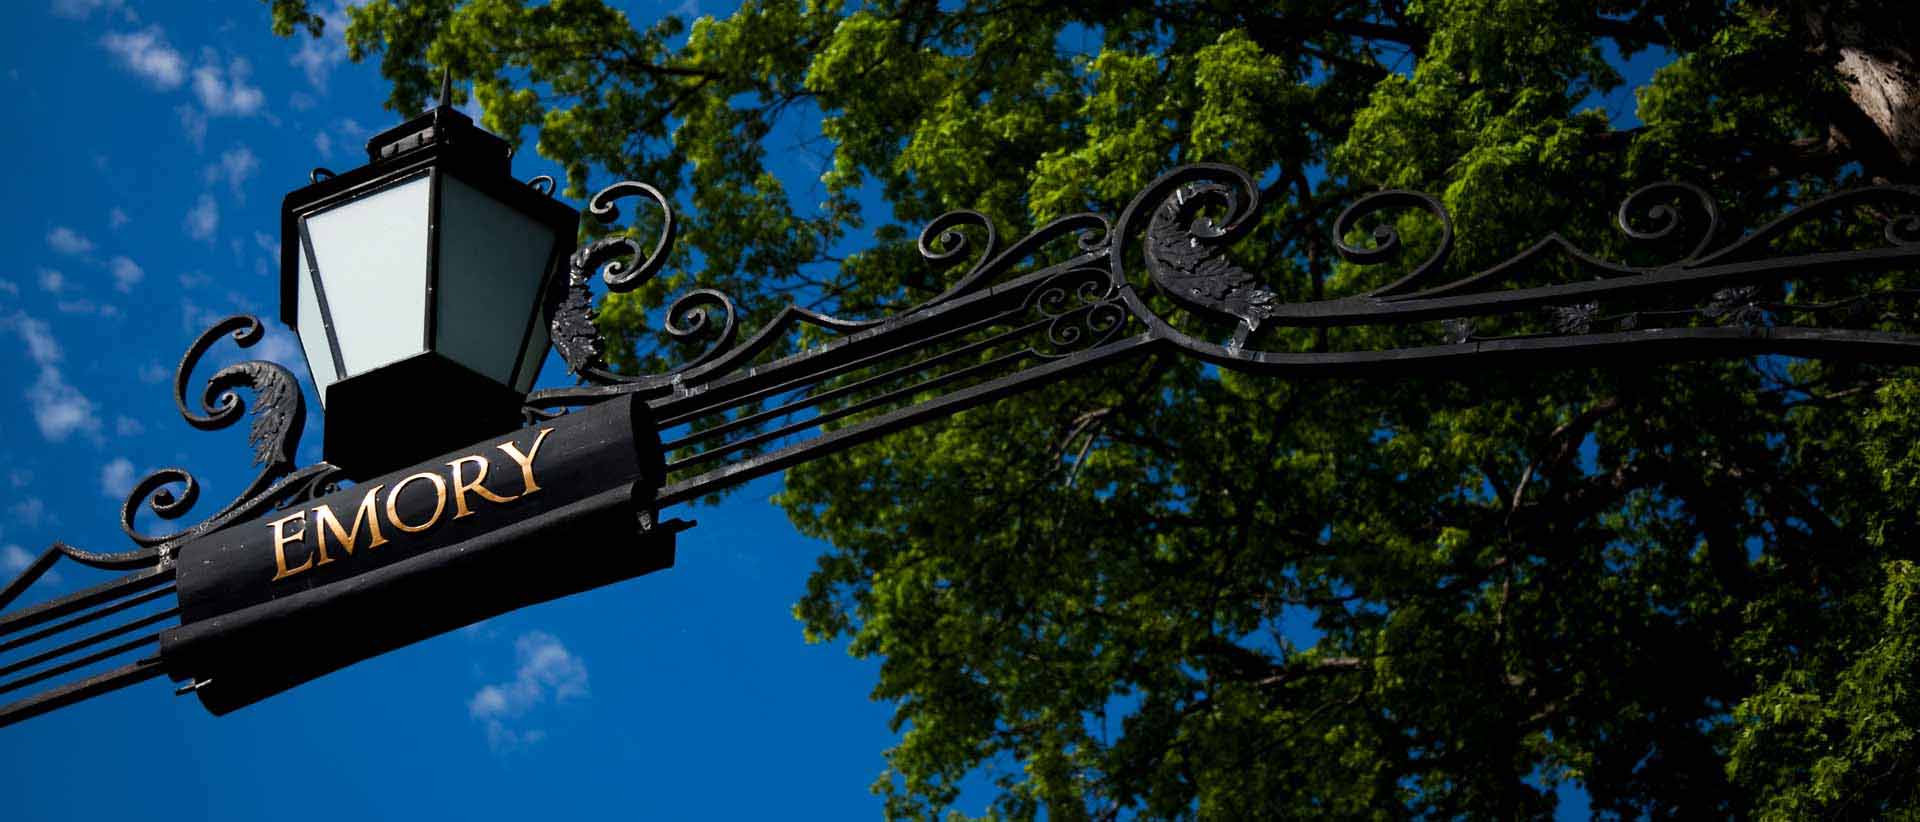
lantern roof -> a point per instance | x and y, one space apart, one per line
446 127
442 136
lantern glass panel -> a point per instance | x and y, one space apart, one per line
536 353
313 334
492 260
372 253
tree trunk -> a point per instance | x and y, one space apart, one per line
1872 46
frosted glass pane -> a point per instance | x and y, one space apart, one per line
313 332
492 259
373 263
536 354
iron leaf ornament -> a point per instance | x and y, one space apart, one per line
1017 317
1186 257
1040 310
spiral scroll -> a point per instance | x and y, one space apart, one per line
1386 238
1186 252
707 312
1666 218
570 301
1186 221
279 416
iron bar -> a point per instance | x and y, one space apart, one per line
840 439
88 641
83 599
840 391
81 690
89 659
812 377
839 413
85 618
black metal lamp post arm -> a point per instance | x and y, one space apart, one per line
279 417
996 331
748 407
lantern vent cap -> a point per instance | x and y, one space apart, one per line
442 125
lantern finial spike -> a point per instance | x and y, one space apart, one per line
446 87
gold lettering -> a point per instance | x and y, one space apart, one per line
525 461
461 487
349 539
280 540
439 502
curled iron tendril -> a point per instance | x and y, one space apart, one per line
1666 218
279 415
1188 218
1082 308
942 241
1185 247
570 302
707 312
1386 237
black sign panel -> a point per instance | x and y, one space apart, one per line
535 514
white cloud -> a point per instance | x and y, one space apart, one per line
223 91
152 372
42 348
126 273
128 427
204 218
282 347
14 559
317 56
19 477
301 101
86 306
58 408
194 124
51 281
67 241
235 166
10 287
29 511
323 144
116 478
546 669
351 129
81 9
267 243
117 218
196 318
147 54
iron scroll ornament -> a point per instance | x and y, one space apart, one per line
279 417
569 300
746 408
1060 302
1718 297
75 620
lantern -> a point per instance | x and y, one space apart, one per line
415 284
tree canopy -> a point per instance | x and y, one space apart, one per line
1691 589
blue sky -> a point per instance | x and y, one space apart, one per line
152 142
151 145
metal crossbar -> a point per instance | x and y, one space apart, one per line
1158 278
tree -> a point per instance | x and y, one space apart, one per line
1691 589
